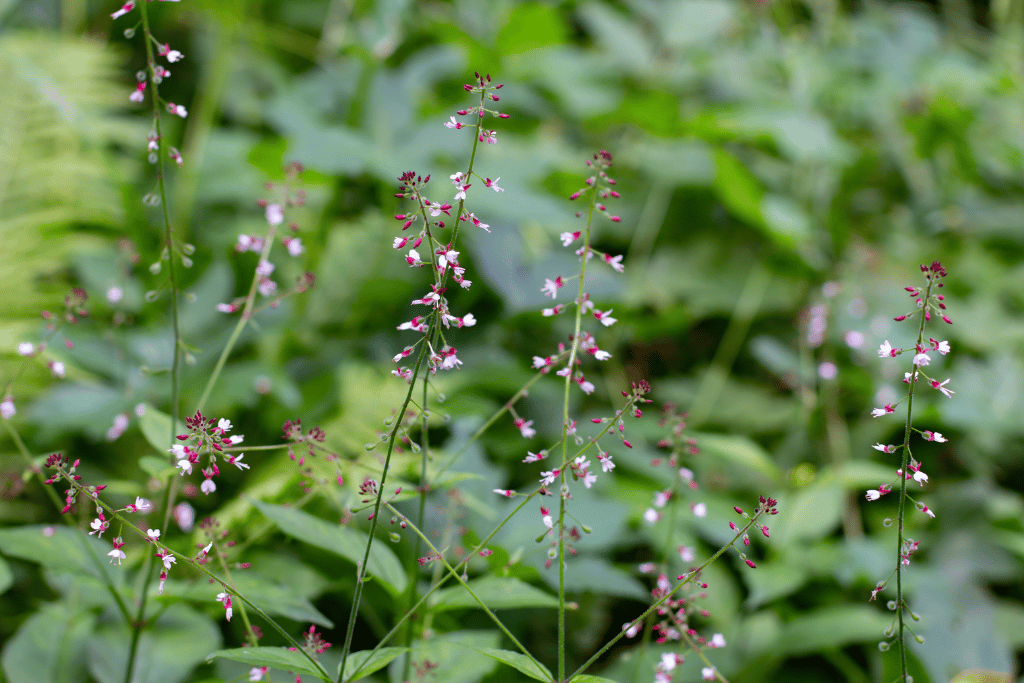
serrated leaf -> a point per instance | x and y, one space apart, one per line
496 592
363 663
518 661
339 540
276 657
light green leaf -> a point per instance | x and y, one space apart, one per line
276 657
496 593
50 646
156 427
57 548
339 540
519 661
362 664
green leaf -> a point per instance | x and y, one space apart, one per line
168 651
830 628
339 540
276 657
530 25
156 427
362 664
270 597
6 577
740 452
519 661
58 548
496 593
156 467
50 646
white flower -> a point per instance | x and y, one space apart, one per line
700 510
718 640
885 350
152 534
274 214
874 494
922 359
7 409
26 348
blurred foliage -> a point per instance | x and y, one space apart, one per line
784 168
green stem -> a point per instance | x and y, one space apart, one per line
137 625
903 482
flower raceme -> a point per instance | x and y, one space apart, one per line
929 303
429 249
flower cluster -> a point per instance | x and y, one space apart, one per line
155 74
263 244
440 255
929 302
208 438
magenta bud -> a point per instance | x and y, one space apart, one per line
946 319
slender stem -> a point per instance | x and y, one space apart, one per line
903 484
685 580
360 578
138 624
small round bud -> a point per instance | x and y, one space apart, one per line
155 268
129 33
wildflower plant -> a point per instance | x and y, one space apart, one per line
197 454
930 305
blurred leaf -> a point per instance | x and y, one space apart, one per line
340 540
156 427
6 577
168 651
61 549
362 664
530 25
831 627
30 656
738 452
496 593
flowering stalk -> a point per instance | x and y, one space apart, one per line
929 302
443 261
629 629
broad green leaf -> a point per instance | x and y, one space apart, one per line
809 513
831 627
496 593
6 577
340 540
168 651
362 664
531 25
276 657
519 661
270 597
59 549
156 427
50 646
156 467
740 452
